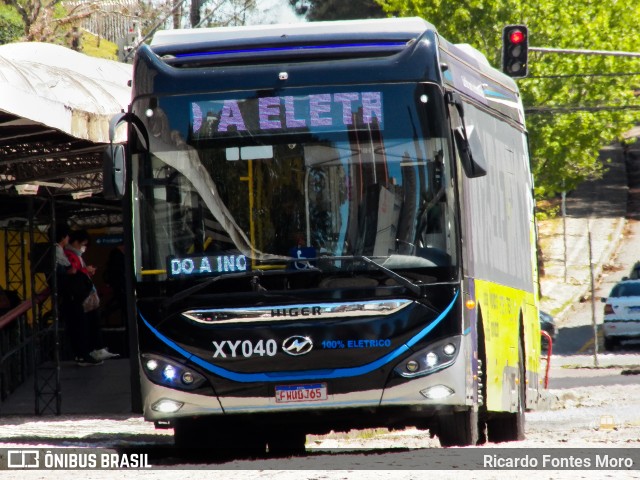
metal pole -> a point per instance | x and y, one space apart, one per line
564 233
35 325
54 306
577 51
593 299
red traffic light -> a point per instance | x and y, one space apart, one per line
515 46
516 36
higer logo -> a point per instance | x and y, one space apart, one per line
297 345
296 312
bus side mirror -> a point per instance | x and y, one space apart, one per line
114 172
470 151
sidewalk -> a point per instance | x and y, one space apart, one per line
596 210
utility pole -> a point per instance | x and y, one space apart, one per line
593 296
563 209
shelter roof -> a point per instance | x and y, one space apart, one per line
55 107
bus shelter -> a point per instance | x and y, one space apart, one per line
55 108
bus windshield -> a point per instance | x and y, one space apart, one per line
295 179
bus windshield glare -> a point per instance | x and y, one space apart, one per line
295 179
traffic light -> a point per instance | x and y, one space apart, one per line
515 46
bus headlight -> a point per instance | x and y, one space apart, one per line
449 349
431 359
170 373
435 357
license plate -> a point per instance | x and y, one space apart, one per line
301 393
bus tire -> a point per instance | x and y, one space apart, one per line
459 429
194 437
509 427
188 434
286 443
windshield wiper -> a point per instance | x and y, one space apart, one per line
187 292
404 281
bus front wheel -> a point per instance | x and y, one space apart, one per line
218 439
286 442
459 429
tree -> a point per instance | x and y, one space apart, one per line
52 20
60 21
194 13
564 145
11 25
316 10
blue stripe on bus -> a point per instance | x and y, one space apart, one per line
493 93
291 48
306 374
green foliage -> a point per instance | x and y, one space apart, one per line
564 144
547 212
49 21
11 25
98 47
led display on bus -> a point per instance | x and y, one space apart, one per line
324 112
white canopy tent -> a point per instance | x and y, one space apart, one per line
55 108
62 89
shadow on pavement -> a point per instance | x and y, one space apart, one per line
578 340
100 389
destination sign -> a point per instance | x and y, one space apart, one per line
287 114
206 265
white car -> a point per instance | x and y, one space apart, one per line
622 313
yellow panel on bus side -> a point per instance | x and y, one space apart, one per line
501 308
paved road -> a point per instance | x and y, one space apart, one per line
575 343
576 332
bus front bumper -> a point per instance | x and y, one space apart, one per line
448 388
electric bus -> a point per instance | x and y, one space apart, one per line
329 226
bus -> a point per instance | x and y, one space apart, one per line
329 227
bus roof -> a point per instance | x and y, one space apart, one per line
354 33
339 40
387 29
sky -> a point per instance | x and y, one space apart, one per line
267 12
274 11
